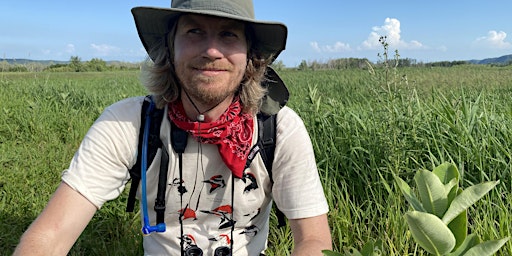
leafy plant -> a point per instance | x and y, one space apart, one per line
369 249
438 221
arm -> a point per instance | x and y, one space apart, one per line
311 235
59 225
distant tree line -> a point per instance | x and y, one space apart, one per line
363 63
75 64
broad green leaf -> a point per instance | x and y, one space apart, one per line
377 248
330 253
430 232
486 248
409 195
351 251
432 194
451 188
467 198
459 228
470 241
372 249
367 249
446 172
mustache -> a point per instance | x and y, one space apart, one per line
211 66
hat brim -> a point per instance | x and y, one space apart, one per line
153 23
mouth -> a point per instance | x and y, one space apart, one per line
210 67
210 71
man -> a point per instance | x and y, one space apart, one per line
210 60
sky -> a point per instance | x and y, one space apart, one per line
318 30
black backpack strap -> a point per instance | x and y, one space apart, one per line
266 146
267 140
154 143
179 143
162 185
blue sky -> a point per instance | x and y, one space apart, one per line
319 30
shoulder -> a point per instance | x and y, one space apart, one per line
287 112
127 105
287 116
289 123
123 112
118 125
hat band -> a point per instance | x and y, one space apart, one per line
237 8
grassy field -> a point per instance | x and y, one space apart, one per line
364 127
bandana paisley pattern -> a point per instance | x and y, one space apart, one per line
232 133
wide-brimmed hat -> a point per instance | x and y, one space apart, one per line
153 23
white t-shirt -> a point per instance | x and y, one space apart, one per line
99 171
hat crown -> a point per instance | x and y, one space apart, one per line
242 8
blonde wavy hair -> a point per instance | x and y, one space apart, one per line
159 76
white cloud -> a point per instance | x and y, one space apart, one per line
104 49
336 47
315 46
495 40
70 48
391 30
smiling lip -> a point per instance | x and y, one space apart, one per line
210 71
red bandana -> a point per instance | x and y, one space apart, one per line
232 133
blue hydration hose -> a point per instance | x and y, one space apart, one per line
147 228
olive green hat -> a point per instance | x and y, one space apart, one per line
153 23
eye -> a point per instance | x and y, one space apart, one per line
228 34
194 31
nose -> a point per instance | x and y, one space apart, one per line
213 48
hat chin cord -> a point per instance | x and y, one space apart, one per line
200 114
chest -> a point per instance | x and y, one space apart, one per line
202 188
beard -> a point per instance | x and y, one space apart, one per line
209 95
209 91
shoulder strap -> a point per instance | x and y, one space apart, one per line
276 98
179 142
267 140
154 143
266 146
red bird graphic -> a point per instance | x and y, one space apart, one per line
223 212
223 238
188 213
216 182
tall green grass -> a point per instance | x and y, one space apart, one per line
363 131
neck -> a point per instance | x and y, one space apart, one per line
209 112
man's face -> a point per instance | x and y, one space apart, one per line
210 57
